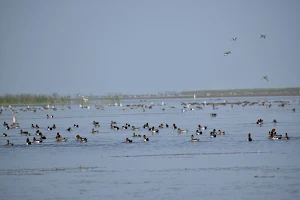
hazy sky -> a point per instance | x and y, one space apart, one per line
138 46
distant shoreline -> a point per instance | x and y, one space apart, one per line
205 97
158 97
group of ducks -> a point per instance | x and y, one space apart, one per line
260 121
113 125
12 126
39 133
272 136
272 133
174 126
137 135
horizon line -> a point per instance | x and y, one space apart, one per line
119 93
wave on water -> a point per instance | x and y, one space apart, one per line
189 154
94 169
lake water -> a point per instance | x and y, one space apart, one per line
169 166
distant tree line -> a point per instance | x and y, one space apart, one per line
112 99
34 99
244 92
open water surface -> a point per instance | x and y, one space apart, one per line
169 166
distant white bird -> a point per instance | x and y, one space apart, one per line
233 39
226 53
265 78
262 36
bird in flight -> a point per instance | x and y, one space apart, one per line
262 36
226 53
233 39
265 78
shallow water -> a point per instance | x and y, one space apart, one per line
169 166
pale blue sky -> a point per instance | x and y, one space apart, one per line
137 46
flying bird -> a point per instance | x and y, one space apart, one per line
265 78
233 39
262 36
226 53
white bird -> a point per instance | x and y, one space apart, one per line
14 120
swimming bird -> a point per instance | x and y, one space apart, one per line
96 124
114 127
128 141
60 139
4 135
24 132
213 134
182 131
15 125
174 126
57 135
221 132
145 138
49 116
42 137
135 128
28 141
80 139
5 124
213 114
198 132
153 130
76 125
37 132
69 129
146 125
286 137
35 141
249 138
274 136
136 135
259 121
194 139
9 144
94 131
202 127
127 124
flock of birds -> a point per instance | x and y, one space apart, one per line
229 52
37 133
152 129
235 38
